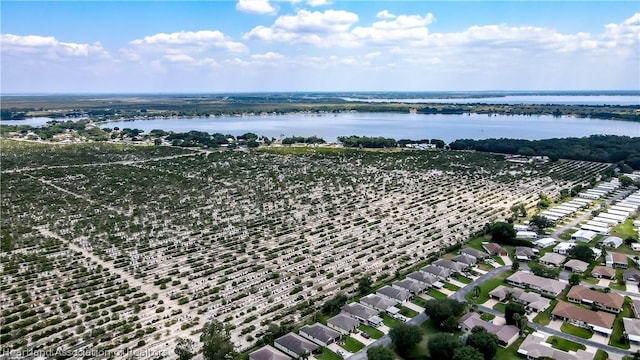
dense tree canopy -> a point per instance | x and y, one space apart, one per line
441 309
405 337
503 233
443 346
467 353
367 142
216 342
510 310
380 353
483 341
582 252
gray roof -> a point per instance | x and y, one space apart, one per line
268 352
448 264
359 310
538 282
532 300
531 346
553 258
320 332
424 277
437 271
475 253
465 259
344 322
524 251
504 332
576 264
296 343
378 302
394 293
409 285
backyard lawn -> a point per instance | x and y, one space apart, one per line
410 313
625 230
462 279
564 344
486 288
390 322
509 353
618 325
499 307
486 316
373 332
544 318
328 355
419 301
451 287
352 345
436 294
577 331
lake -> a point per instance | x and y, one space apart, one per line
398 126
623 100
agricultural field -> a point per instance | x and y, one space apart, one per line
121 248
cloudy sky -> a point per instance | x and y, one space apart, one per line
318 45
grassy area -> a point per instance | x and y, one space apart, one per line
577 331
328 355
499 260
590 280
408 312
390 322
477 242
436 294
564 344
487 287
419 301
500 307
509 353
451 287
625 230
428 329
618 325
615 285
486 316
352 345
601 355
373 332
544 318
463 279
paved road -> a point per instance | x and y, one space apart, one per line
422 317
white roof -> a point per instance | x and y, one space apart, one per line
586 234
544 242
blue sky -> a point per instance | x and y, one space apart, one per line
318 45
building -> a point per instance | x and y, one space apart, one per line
526 235
530 300
576 266
535 347
268 353
412 286
611 302
480 255
544 242
377 302
603 272
506 334
613 242
452 266
295 345
343 324
466 260
364 314
552 259
632 275
394 293
598 321
429 280
542 285
441 273
584 235
632 328
494 249
319 334
617 260
524 253
563 248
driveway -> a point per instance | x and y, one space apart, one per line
507 260
413 307
632 288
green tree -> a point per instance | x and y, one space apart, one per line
574 279
483 341
541 223
442 346
184 349
442 309
467 353
582 252
405 337
216 342
380 353
515 266
364 285
503 233
510 310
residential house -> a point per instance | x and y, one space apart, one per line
632 328
635 246
598 321
603 272
494 249
319 334
343 324
295 345
530 300
394 293
552 259
377 302
576 266
584 235
611 302
635 306
452 266
613 242
364 314
563 248
535 347
542 285
412 286
527 235
544 242
480 255
506 334
441 273
524 253
268 352
427 279
466 260
617 260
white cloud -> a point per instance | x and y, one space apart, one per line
385 14
198 40
268 56
256 7
49 46
401 28
307 27
316 3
